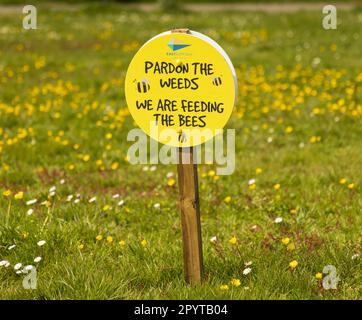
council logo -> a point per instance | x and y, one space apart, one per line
174 46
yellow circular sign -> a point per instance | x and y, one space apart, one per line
181 88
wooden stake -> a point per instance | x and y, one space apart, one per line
190 210
190 215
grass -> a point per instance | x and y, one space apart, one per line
298 118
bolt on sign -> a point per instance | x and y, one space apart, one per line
181 81
180 89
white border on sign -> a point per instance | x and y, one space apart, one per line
215 45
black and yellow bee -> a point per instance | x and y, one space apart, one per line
143 86
216 81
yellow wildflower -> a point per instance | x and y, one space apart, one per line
7 193
224 287
19 195
227 199
319 275
115 166
252 186
233 240
235 282
289 129
211 173
293 264
171 182
106 207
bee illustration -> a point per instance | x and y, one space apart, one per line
216 81
143 86
181 136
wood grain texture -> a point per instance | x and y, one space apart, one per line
181 30
190 215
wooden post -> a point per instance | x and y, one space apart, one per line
190 210
190 215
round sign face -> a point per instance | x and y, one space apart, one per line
181 88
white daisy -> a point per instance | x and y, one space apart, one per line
170 175
115 196
278 220
213 239
316 61
92 199
3 263
355 256
145 168
251 182
28 267
121 203
157 206
70 197
37 259
153 168
12 247
41 243
30 212
52 194
76 200
62 181
246 271
18 266
52 189
30 202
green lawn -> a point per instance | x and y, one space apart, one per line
64 123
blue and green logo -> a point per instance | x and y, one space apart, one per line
174 46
